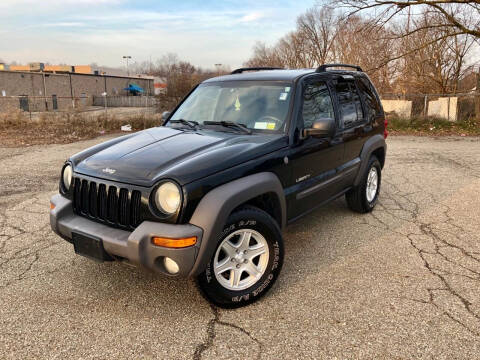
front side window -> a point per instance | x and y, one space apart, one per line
317 104
349 102
258 105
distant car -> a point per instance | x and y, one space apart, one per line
207 194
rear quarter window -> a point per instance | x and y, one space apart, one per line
350 106
372 103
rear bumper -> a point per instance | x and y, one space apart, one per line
135 246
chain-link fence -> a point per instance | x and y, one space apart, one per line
457 107
34 104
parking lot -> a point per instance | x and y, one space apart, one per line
402 282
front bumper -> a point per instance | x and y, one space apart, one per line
135 246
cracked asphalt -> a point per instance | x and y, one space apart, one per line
402 282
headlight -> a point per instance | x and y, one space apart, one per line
168 198
67 176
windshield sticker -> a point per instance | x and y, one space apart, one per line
264 126
283 96
237 104
260 125
287 89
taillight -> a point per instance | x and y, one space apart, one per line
385 131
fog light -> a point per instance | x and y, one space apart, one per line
170 265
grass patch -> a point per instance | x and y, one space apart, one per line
432 126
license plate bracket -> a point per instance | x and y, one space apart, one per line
90 247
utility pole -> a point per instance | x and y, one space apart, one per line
127 57
477 97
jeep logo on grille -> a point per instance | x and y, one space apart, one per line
109 171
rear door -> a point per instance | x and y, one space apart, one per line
351 116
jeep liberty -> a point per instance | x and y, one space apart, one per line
207 194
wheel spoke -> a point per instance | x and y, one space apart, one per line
235 277
223 266
252 269
253 252
245 240
229 249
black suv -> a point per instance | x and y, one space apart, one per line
207 194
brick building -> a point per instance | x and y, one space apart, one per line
38 91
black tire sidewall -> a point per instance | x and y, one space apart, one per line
255 219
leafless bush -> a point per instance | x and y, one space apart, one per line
50 127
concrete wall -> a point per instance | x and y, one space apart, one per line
81 86
443 107
402 108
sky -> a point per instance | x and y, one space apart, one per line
204 32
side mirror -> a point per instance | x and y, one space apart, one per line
165 115
324 127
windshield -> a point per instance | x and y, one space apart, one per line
258 105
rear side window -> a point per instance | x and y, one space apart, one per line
317 103
372 103
350 105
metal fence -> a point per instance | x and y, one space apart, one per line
452 107
125 101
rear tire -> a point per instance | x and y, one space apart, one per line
363 197
246 262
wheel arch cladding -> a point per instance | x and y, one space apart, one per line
214 209
375 145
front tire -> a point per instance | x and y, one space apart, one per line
363 197
247 260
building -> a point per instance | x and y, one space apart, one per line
41 91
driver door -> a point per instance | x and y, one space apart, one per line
314 159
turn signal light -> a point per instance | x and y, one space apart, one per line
52 206
174 243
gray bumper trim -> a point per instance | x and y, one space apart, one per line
135 246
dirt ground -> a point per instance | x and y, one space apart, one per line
402 282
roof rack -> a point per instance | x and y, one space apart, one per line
241 70
324 67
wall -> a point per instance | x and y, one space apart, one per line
81 86
402 108
443 107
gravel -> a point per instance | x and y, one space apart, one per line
401 282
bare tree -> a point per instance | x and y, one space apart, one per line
434 62
318 30
459 17
409 55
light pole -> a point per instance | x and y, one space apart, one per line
218 66
127 57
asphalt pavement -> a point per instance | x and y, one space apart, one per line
402 282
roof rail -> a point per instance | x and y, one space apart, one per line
241 70
324 67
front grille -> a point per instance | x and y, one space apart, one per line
110 204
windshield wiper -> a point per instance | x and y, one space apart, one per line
229 124
191 124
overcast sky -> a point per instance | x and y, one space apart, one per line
203 32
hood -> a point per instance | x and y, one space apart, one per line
145 157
